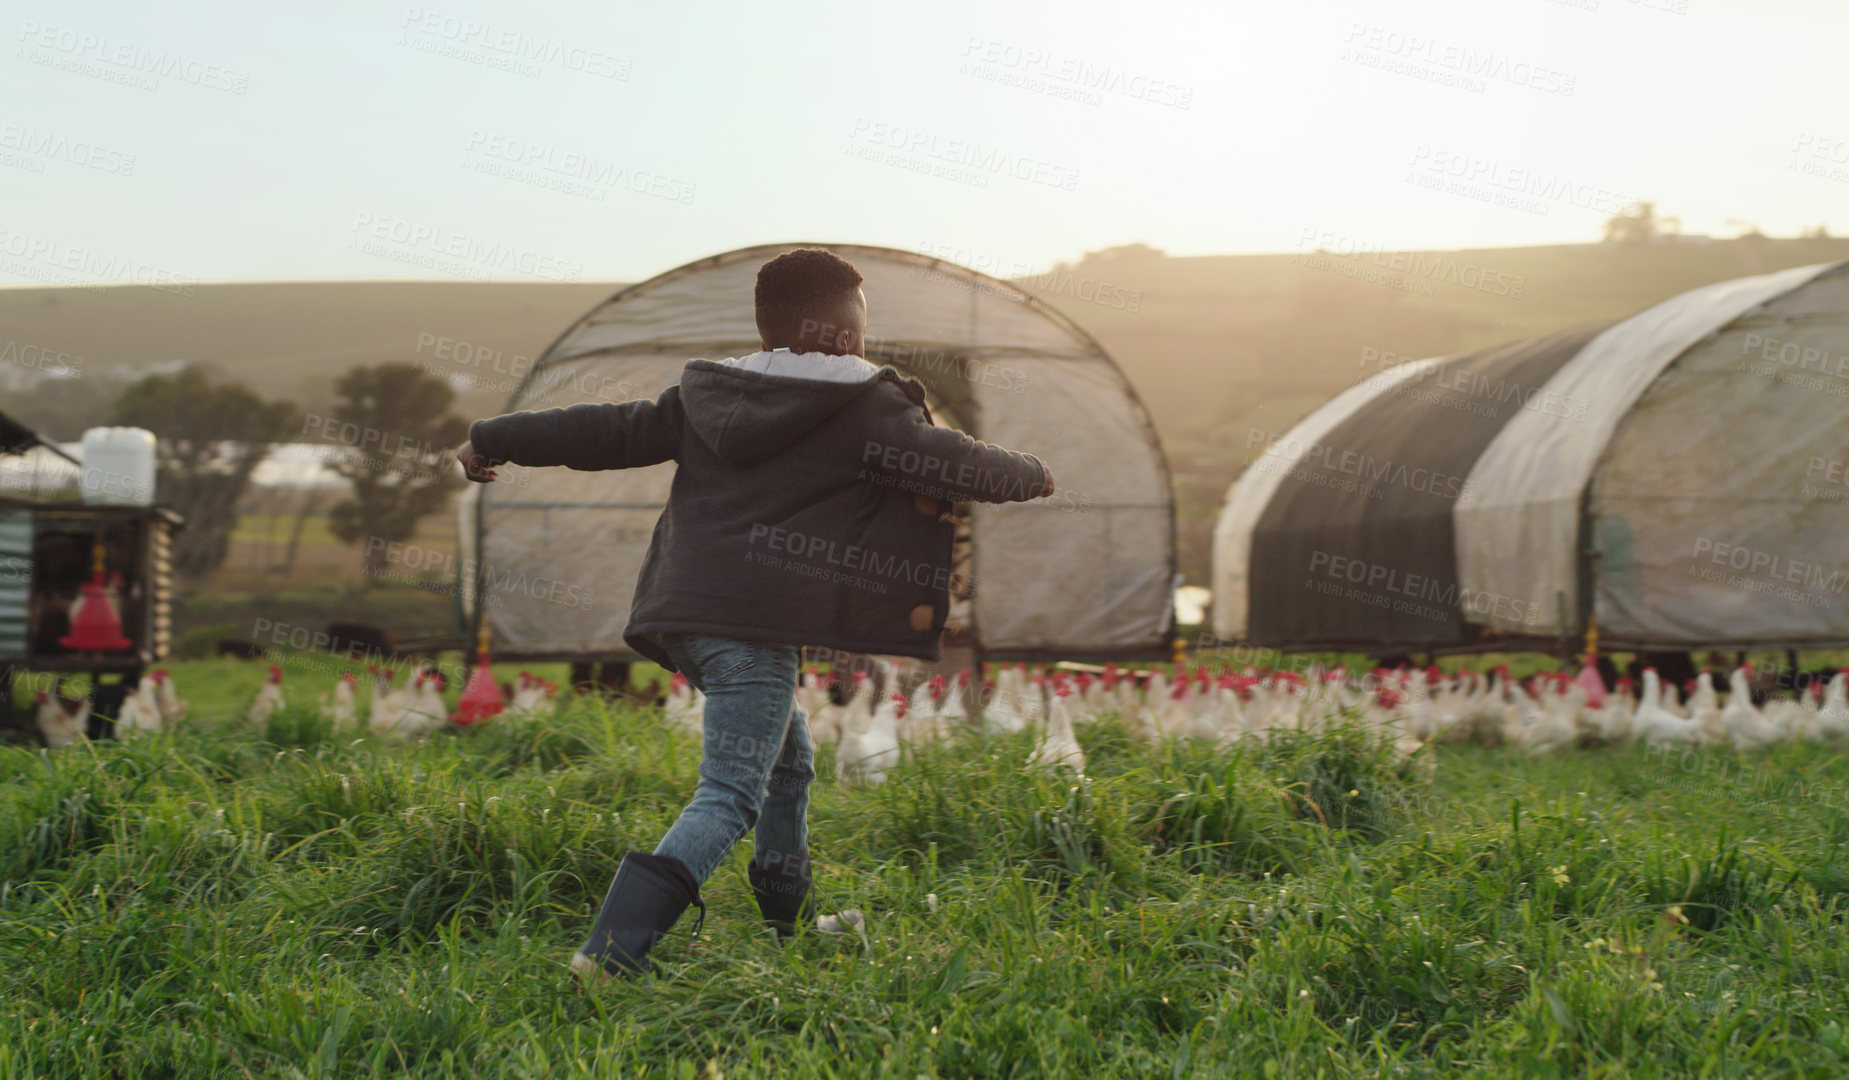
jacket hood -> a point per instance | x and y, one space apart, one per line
747 416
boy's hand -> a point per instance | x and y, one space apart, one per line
473 466
940 510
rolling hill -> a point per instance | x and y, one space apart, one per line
1219 347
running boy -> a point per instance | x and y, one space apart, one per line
809 507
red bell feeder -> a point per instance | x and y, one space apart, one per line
96 626
481 697
1589 679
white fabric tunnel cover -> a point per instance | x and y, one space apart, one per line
1090 570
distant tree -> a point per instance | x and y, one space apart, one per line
211 438
1815 232
1640 225
63 402
1121 255
398 439
309 501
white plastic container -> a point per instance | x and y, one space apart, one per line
118 466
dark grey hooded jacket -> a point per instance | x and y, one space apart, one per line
803 511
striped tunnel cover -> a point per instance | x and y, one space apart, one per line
1357 543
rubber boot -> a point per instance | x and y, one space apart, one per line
647 896
783 894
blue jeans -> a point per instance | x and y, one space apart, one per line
757 762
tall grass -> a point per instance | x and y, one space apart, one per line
299 900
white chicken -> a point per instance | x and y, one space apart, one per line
1480 718
1209 722
1794 719
1833 714
532 695
1155 688
1387 712
1058 747
140 710
339 707
1656 725
386 705
1435 710
524 696
811 694
426 711
1168 716
1033 688
1748 727
1672 701
1613 723
1235 692
686 706
61 724
921 723
826 721
1010 707
953 711
1704 707
172 708
1117 694
858 712
269 698
1559 727
866 754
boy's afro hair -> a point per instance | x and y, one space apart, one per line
794 283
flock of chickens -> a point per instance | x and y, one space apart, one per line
1411 707
152 706
407 712
872 731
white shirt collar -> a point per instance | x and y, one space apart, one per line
810 365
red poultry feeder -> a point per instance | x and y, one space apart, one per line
481 697
1589 679
95 625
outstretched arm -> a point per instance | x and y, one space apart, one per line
943 463
624 435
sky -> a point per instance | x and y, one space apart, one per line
611 141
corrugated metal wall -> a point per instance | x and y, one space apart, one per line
15 580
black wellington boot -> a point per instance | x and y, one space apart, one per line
647 896
783 894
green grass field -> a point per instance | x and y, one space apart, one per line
321 584
299 902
